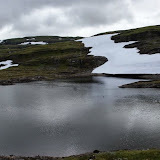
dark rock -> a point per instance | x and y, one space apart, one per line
96 151
142 84
2 65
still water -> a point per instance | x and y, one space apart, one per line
65 118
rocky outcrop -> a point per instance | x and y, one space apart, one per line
148 39
127 36
143 84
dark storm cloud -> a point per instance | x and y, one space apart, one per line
60 16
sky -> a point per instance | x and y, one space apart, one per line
19 18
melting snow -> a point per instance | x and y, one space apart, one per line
121 60
7 64
33 43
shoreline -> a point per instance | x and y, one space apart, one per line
149 77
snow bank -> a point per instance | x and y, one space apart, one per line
33 43
121 60
7 64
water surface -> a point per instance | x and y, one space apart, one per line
67 118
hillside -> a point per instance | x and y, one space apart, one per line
58 57
134 51
147 38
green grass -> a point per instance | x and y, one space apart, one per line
50 61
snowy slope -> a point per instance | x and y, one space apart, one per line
121 60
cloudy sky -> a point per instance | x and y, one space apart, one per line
20 18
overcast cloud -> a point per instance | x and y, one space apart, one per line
20 18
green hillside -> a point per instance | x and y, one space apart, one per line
60 58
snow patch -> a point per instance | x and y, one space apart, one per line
33 43
7 64
30 39
121 60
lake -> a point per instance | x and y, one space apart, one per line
63 118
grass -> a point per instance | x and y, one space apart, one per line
48 39
140 30
59 59
119 155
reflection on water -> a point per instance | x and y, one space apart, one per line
65 118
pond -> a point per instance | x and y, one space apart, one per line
63 118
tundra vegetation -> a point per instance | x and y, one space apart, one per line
62 57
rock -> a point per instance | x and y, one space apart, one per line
96 151
142 84
2 65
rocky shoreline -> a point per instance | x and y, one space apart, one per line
153 83
143 84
